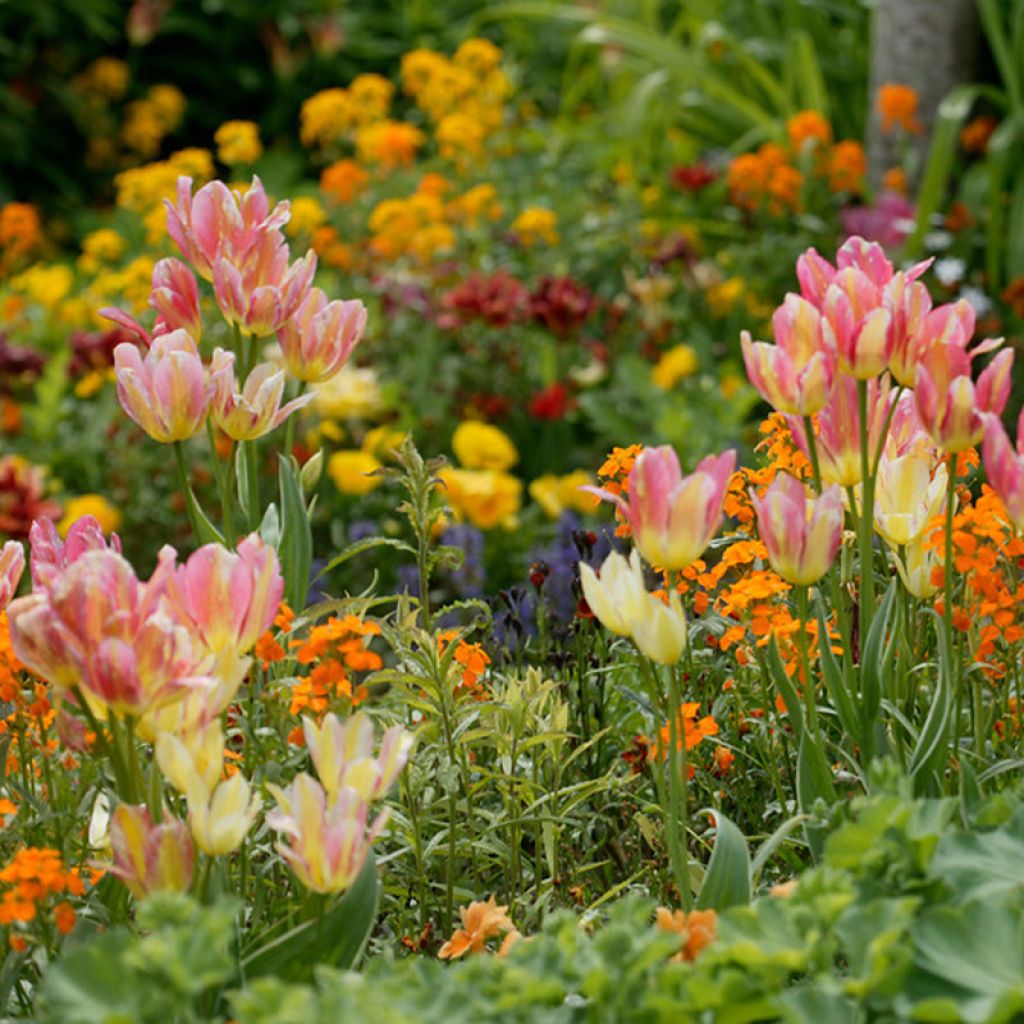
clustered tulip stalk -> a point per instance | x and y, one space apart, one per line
151 668
876 388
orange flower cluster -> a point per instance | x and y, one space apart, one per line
614 475
696 930
769 180
32 875
20 234
472 659
986 554
897 103
268 647
335 649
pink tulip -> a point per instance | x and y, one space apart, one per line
150 858
50 555
256 409
175 297
124 641
218 224
317 341
859 324
838 435
796 374
231 596
1004 466
673 517
816 274
166 393
12 565
802 534
951 406
909 303
261 294
328 842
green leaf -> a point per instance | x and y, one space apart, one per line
789 695
876 665
931 746
335 938
361 547
983 865
727 879
296 549
835 684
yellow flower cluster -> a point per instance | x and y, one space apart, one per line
558 494
143 189
148 121
46 285
105 78
307 216
238 142
329 117
464 97
99 248
536 224
128 285
481 491
96 505
388 143
674 365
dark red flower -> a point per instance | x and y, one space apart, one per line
692 177
22 497
94 350
552 403
499 300
561 304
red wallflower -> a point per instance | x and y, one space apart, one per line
552 403
561 304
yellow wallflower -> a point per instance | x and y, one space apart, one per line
371 95
389 143
105 77
486 497
98 247
44 284
238 142
477 204
482 446
676 364
349 468
556 494
536 224
327 117
353 392
307 216
96 505
382 440
169 102
197 163
459 134
722 298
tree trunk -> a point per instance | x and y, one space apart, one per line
930 45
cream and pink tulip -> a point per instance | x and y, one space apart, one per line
255 409
166 393
860 327
218 223
150 858
1004 467
221 819
909 492
328 841
50 554
952 407
231 596
795 375
320 336
673 518
12 565
344 756
175 297
802 533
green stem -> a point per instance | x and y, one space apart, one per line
186 488
867 516
252 465
805 660
812 448
289 429
677 784
225 480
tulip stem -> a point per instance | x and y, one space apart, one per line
289 428
186 489
812 449
677 788
867 516
947 577
805 660
225 479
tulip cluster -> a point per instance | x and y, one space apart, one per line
235 242
327 822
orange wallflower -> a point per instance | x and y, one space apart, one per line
696 929
614 474
975 135
480 922
847 167
343 180
33 874
898 104
472 658
808 127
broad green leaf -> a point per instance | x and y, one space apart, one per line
727 879
788 692
296 549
